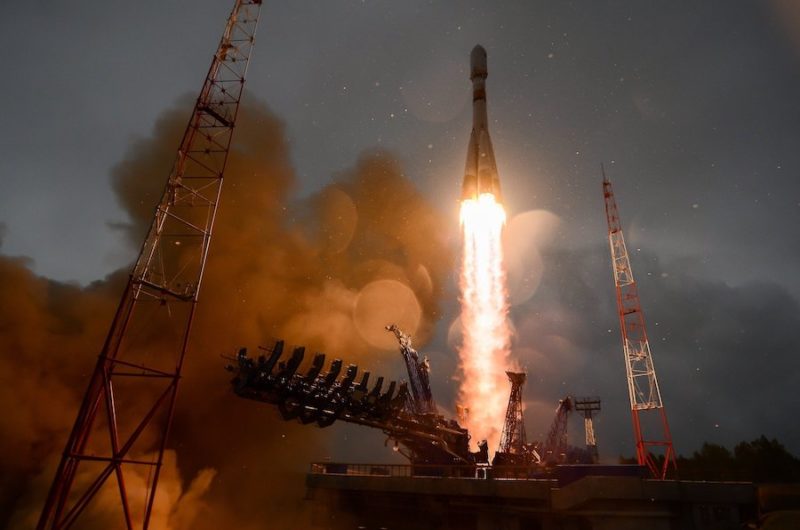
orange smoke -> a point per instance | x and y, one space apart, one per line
486 343
323 272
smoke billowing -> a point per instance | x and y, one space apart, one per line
327 272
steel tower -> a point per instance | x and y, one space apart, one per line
645 396
588 405
124 420
555 446
513 441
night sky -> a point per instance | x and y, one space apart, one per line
691 106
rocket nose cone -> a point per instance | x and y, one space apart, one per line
478 62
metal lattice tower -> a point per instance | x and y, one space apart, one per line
123 423
645 396
588 406
513 441
555 447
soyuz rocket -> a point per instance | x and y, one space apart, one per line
480 173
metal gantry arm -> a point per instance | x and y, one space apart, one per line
418 373
326 397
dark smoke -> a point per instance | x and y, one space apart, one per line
326 272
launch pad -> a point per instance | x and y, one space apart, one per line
444 485
375 497
531 486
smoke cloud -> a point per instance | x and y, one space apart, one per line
328 272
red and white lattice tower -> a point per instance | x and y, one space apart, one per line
116 447
651 434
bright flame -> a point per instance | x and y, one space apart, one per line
486 343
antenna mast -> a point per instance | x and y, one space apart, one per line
645 396
124 420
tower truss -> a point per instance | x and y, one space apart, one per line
589 405
643 390
123 423
513 440
555 446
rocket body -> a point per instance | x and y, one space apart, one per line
480 173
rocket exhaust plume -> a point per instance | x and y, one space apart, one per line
486 342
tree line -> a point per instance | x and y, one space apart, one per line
761 460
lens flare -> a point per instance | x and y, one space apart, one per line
486 343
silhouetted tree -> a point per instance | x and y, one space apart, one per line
766 460
761 460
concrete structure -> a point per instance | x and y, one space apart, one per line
387 497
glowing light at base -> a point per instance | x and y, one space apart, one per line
486 342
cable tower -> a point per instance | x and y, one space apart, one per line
123 423
513 441
645 396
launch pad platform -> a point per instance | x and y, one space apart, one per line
395 497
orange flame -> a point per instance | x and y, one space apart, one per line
486 343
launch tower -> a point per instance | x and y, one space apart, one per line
513 437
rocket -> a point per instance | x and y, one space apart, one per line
480 173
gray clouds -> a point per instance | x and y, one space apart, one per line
726 356
693 102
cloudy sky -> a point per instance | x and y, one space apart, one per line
692 106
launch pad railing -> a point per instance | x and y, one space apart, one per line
560 474
428 471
